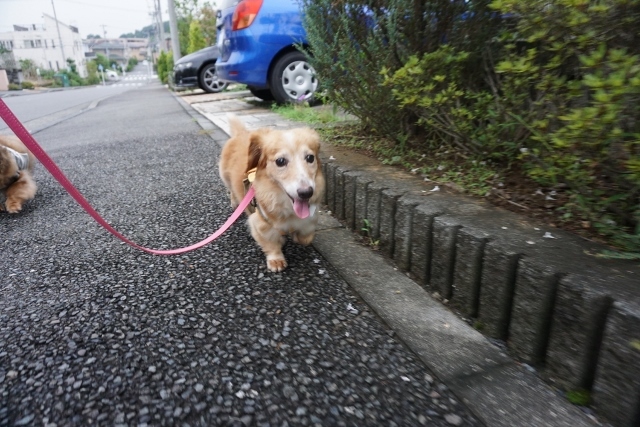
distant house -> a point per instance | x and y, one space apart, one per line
138 48
119 50
42 45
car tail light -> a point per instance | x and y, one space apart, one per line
245 13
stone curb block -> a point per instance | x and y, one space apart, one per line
388 200
497 286
422 242
616 392
340 195
403 230
350 180
533 300
578 325
331 185
467 272
361 202
374 207
445 231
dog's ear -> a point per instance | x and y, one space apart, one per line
255 151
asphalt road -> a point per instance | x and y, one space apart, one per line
38 111
93 332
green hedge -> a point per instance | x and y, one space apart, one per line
165 66
551 87
580 78
353 40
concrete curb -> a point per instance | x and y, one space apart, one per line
552 302
548 298
562 311
498 391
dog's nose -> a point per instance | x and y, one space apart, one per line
305 193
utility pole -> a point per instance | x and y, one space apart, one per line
173 26
160 25
106 42
64 57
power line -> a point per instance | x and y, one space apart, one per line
99 5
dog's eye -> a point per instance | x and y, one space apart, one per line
281 162
310 158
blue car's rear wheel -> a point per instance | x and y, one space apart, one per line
293 79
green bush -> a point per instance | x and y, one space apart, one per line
352 41
580 79
13 86
449 111
47 74
101 60
554 92
131 63
93 77
75 79
27 85
165 66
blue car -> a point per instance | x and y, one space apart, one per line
257 41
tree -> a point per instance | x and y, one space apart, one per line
101 59
144 33
196 40
186 11
28 68
208 23
94 36
165 65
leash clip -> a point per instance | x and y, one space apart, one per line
251 176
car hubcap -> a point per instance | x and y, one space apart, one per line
211 80
299 81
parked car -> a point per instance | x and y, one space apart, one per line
111 75
198 69
258 48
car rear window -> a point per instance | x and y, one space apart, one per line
224 4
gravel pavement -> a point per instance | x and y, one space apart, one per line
93 332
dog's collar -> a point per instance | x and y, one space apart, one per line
22 159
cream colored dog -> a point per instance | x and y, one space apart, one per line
16 169
288 184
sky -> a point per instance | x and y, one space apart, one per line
118 16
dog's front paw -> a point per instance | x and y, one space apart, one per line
276 265
13 206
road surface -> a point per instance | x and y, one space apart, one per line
93 332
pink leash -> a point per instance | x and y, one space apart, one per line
12 121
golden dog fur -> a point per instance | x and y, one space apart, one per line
289 184
20 190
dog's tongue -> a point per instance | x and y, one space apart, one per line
301 208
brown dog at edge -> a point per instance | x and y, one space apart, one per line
16 173
288 184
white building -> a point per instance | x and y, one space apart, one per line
41 44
